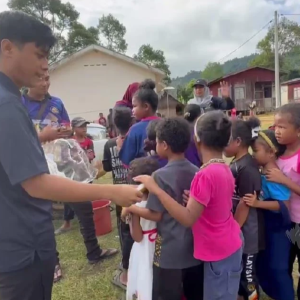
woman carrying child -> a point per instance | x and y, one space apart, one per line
217 236
247 180
273 262
287 133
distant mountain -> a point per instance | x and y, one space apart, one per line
230 66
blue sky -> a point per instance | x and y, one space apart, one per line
190 32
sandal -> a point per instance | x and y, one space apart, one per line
107 253
57 274
117 281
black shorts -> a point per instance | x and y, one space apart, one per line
172 284
249 287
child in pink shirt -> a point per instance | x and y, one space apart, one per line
287 132
217 236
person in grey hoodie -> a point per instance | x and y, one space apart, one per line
206 101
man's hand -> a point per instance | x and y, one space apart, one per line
251 200
126 195
225 91
49 134
124 214
276 175
148 182
90 154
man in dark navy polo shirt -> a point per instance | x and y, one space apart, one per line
27 244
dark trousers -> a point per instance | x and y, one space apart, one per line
69 213
84 213
295 252
249 286
126 241
31 283
172 284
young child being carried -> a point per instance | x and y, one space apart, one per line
144 233
175 270
217 236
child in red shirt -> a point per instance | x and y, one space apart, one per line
79 126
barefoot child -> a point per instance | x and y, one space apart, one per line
273 262
140 274
217 236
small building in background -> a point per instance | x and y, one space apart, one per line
91 80
290 91
169 106
252 84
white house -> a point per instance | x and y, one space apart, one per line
93 79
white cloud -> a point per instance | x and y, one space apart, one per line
190 32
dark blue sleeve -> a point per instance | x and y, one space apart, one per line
222 103
64 114
278 191
130 148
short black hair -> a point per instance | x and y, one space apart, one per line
243 130
146 94
21 28
294 110
175 132
142 166
192 112
214 130
271 135
122 118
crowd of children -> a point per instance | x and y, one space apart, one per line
218 232
235 233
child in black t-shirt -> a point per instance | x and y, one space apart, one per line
247 180
122 119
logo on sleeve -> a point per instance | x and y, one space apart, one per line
54 110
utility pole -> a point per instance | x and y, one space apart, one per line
277 71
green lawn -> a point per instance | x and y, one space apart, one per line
84 282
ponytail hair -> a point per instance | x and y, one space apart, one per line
246 131
192 112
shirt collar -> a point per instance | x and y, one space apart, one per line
9 84
150 118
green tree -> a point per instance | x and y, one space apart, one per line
59 16
112 33
185 93
212 71
80 37
288 47
154 58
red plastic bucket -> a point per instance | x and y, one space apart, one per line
102 217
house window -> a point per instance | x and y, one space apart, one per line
239 93
296 93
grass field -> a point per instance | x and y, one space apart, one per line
84 282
